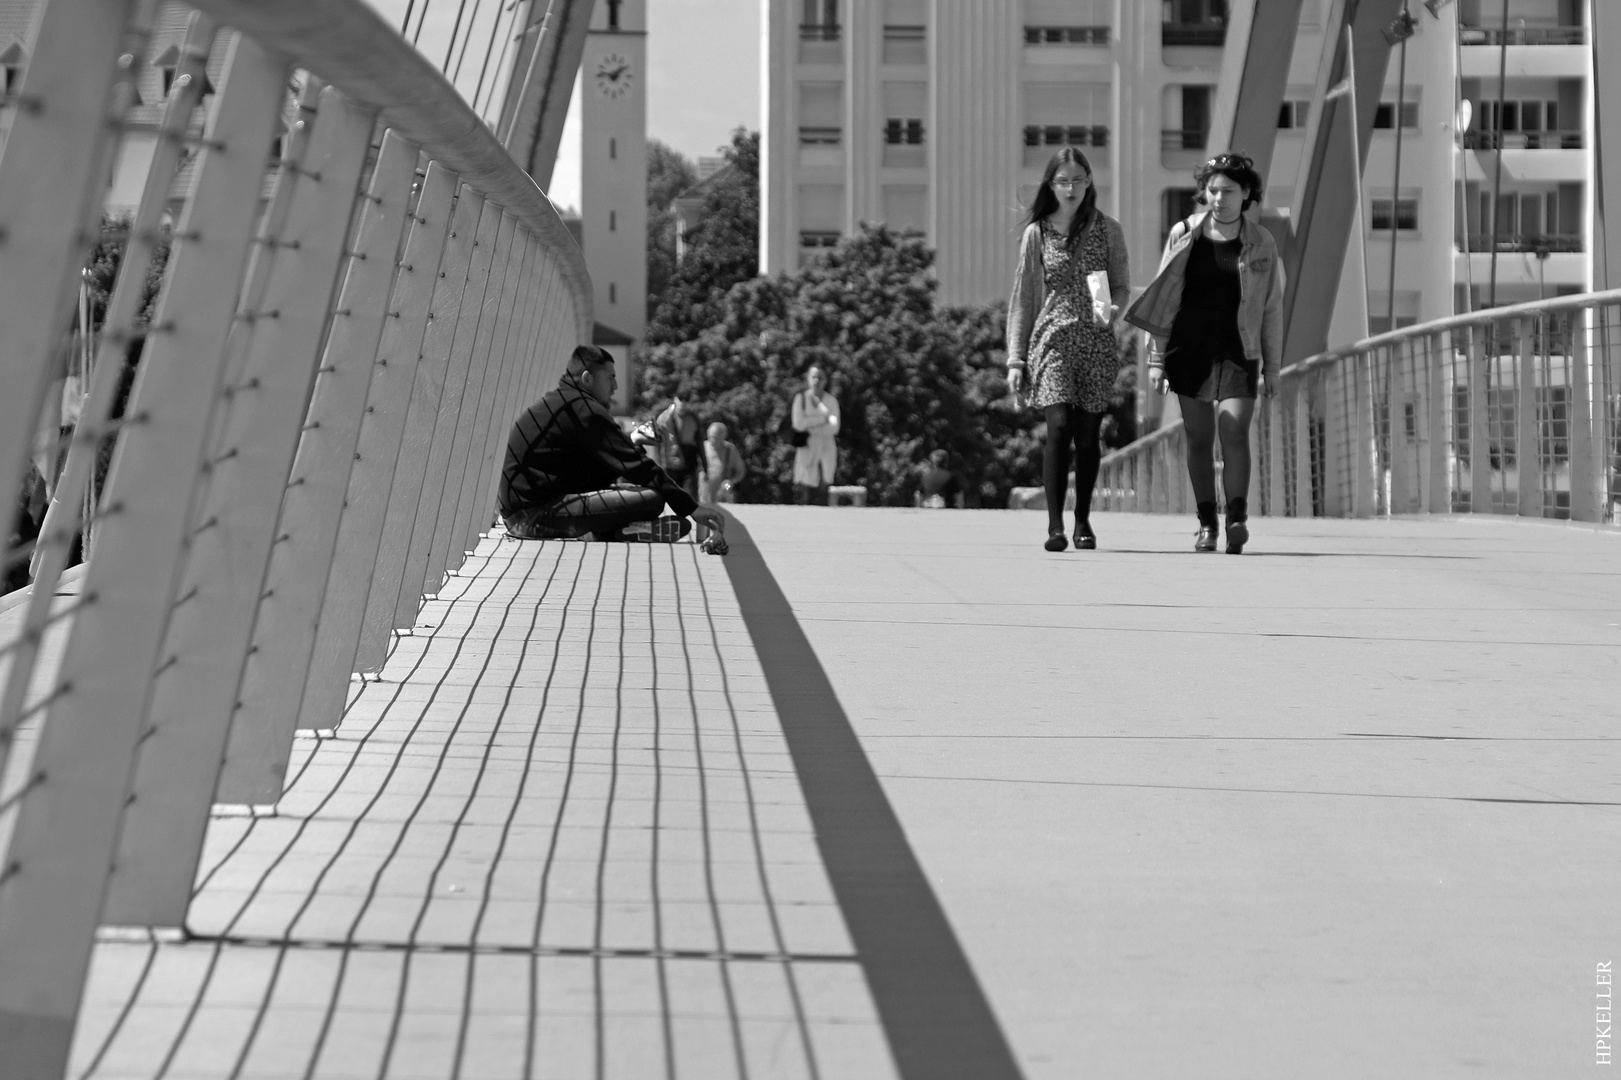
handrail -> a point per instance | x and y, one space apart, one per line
348 45
1449 322
1440 418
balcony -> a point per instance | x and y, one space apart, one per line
820 136
819 43
1563 139
1524 35
906 44
1195 35
1526 243
1066 35
819 32
1066 135
1183 138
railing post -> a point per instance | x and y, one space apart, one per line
452 404
1585 498
1305 476
1480 449
1437 401
430 387
1527 447
172 784
476 511
1276 455
355 555
1364 440
1402 455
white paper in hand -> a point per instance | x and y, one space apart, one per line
1097 283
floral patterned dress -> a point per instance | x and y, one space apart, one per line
1070 359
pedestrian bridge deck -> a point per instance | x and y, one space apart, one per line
890 792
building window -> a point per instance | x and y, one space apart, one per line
820 136
1189 129
1293 115
613 14
613 149
1384 115
903 132
1194 22
1406 215
818 238
1066 135
1176 204
613 221
821 21
1530 125
905 43
1066 35
905 33
613 293
12 62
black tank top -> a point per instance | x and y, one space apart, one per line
1207 320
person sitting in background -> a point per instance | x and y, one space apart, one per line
941 487
679 428
571 472
723 466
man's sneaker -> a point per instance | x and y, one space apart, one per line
665 530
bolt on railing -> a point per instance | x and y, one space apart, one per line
1513 410
312 441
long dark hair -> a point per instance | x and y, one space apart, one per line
1045 204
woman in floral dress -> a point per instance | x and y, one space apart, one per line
1062 353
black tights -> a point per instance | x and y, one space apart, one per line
1066 425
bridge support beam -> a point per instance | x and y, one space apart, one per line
1253 78
536 104
1326 191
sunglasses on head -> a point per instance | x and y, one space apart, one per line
1230 161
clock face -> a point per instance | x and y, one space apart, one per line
614 75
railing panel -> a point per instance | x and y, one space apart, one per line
451 407
432 384
1512 410
445 554
60 855
277 375
349 581
51 179
173 779
473 512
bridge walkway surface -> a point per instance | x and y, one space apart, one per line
896 793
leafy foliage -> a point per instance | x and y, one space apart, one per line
669 173
909 379
722 250
102 270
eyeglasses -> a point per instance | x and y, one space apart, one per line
1072 184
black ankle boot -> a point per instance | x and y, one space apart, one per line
1206 540
1238 533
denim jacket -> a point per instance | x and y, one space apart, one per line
1260 279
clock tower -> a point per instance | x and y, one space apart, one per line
613 175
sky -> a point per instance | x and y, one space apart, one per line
703 79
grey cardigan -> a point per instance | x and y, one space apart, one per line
1029 296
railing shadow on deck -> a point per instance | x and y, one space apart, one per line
1513 410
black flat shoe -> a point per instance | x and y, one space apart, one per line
1206 540
1238 534
1085 538
1056 541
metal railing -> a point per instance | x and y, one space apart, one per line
313 440
1552 139
1515 410
1523 35
1527 243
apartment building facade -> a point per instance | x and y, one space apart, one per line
939 115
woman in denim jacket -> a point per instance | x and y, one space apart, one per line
1215 312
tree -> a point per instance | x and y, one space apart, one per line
722 250
669 173
909 379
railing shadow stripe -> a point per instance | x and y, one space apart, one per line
939 1023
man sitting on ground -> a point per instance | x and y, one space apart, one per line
572 473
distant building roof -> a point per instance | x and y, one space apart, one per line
603 334
695 194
